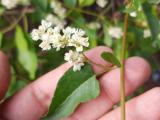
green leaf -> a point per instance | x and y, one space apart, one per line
154 1
71 3
91 33
15 84
86 2
26 54
107 40
156 43
129 10
79 19
136 4
152 20
109 57
73 89
1 36
41 4
2 9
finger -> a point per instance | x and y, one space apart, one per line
4 74
137 72
35 98
143 107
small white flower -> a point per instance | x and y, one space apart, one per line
59 42
9 4
78 42
133 14
68 31
115 32
75 58
58 9
35 34
77 66
53 37
55 20
102 3
44 33
94 25
146 33
45 45
76 38
45 24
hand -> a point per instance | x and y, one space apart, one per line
32 102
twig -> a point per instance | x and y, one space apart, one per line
15 12
25 23
10 27
87 12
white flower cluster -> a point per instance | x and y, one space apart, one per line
57 17
102 3
94 25
75 58
115 32
9 4
56 37
146 33
133 14
58 9
56 21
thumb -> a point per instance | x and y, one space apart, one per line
4 74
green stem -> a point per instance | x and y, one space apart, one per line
104 68
15 12
25 23
122 69
87 12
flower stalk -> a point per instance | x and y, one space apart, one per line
122 69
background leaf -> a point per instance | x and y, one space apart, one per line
42 4
153 22
107 38
73 89
154 1
86 2
26 55
70 3
109 57
1 36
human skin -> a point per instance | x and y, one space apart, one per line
32 102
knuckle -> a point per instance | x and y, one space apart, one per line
41 98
